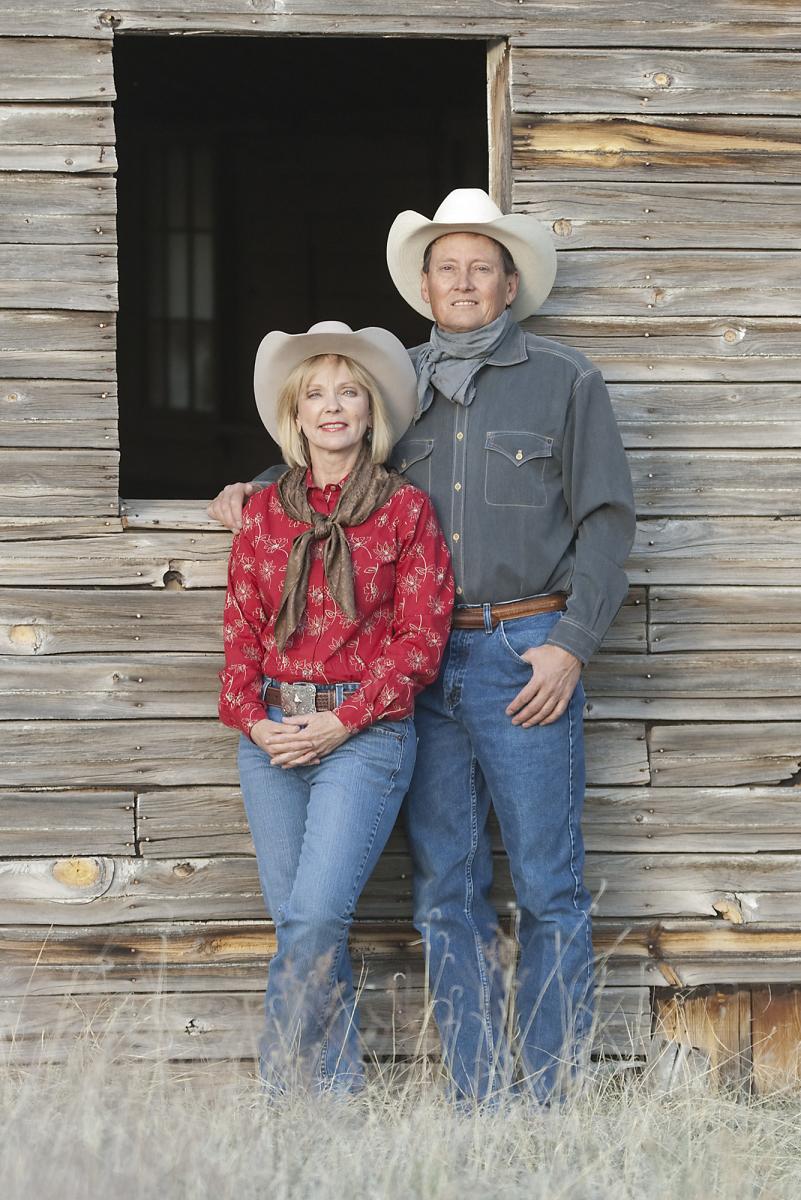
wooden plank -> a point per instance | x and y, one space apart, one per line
143 686
692 283
718 1024
667 551
202 956
56 69
168 753
64 823
499 116
678 149
53 209
717 550
197 1025
717 482
96 889
15 528
62 277
67 482
725 754
61 364
191 821
167 514
663 81
59 621
707 416
714 685
720 618
776 1039
629 349
766 24
80 159
664 215
104 754
119 560
188 1026
56 126
53 228
38 332
59 413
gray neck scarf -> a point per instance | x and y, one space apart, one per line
450 361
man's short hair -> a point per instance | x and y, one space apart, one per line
507 261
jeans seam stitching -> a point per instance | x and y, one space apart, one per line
354 892
570 821
482 969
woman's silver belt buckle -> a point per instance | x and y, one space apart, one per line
297 698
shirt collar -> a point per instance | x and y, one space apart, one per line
512 349
311 485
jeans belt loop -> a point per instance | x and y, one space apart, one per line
486 610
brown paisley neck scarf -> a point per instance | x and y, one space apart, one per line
367 487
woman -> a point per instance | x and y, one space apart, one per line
337 612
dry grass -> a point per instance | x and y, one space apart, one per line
103 1124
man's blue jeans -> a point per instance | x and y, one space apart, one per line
318 832
469 754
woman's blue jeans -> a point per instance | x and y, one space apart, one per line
469 754
318 832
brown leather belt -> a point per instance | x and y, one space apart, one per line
324 700
473 617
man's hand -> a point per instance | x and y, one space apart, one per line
300 740
555 674
227 507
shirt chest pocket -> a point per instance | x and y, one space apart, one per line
412 457
515 469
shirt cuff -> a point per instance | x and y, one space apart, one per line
574 638
251 715
354 712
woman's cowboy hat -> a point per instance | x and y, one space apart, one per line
470 210
377 350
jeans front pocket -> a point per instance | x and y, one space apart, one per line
522 633
515 468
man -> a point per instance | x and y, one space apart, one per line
515 441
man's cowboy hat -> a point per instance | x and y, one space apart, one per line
470 210
377 350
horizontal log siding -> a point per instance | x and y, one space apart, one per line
663 157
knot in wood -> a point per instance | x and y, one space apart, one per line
183 869
26 639
77 872
173 581
563 227
662 79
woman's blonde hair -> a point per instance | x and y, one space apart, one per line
292 440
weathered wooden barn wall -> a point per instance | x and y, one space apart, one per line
661 142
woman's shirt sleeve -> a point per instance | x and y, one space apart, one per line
422 606
243 619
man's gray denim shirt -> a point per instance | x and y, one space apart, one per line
531 485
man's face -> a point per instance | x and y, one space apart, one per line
466 285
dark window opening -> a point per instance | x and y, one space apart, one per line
258 179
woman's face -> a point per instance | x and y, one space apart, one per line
333 409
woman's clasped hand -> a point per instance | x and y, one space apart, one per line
299 740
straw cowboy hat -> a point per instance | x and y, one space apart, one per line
377 350
470 210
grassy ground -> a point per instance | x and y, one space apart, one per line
104 1125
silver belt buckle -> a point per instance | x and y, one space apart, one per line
297 698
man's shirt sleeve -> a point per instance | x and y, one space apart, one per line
598 492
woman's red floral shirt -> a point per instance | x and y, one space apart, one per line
403 587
